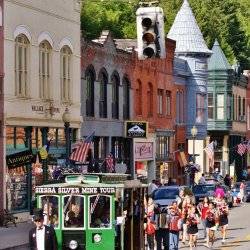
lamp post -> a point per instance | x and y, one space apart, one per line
66 119
194 133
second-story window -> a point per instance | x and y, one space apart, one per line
220 106
44 69
200 108
239 108
160 101
139 98
21 65
150 99
168 103
65 74
210 103
103 96
90 93
229 107
248 117
126 98
115 96
243 107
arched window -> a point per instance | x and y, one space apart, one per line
21 65
44 69
90 93
115 96
138 98
239 107
103 95
1 17
150 99
126 98
66 54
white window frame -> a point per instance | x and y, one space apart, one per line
160 101
21 65
65 73
200 107
220 106
45 70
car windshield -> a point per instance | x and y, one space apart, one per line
166 193
203 189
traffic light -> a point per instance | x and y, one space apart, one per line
150 33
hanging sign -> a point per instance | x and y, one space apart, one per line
143 151
20 159
136 129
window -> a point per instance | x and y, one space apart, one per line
239 108
139 98
100 148
21 65
229 108
162 147
65 73
160 101
233 108
90 94
179 107
44 69
210 101
248 117
126 98
150 100
168 103
1 17
103 96
49 204
200 108
243 106
100 211
73 207
220 106
115 96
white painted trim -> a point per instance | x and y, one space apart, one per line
66 41
1 16
22 29
45 36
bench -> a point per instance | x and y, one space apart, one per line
8 218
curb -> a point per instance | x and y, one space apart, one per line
19 247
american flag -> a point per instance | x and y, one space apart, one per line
110 163
241 148
248 146
81 152
209 149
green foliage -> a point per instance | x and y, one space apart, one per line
226 20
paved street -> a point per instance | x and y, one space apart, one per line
239 231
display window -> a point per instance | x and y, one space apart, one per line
49 204
100 211
73 212
141 169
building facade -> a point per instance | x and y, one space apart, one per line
191 47
42 69
106 97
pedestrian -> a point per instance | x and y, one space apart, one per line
227 181
42 237
184 213
219 191
202 209
211 223
223 219
161 226
242 191
150 231
202 180
180 198
152 187
192 226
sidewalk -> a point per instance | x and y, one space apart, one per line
15 237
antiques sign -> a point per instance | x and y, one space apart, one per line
20 159
136 129
75 190
143 150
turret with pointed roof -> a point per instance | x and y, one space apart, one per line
186 32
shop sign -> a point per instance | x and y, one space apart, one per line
143 150
20 159
136 129
75 190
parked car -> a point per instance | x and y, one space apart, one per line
165 195
207 190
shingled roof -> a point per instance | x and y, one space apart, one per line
186 32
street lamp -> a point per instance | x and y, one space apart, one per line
194 133
66 117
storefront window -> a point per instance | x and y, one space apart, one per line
49 204
61 137
36 138
73 208
16 189
9 137
100 211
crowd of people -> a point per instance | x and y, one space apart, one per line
166 227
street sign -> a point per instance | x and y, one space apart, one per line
136 129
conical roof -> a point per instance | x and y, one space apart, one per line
186 32
218 60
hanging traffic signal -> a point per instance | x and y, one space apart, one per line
150 33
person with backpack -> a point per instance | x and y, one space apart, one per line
175 225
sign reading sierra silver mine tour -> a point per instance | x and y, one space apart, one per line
136 129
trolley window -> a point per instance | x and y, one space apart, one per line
49 204
100 211
73 212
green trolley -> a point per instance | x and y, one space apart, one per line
88 214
